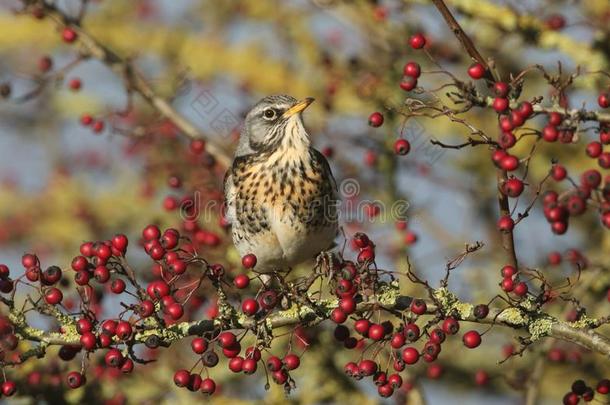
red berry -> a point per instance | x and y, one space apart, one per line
417 41
69 35
75 84
526 109
227 339
471 339
508 271
151 232
555 119
182 378
29 260
175 311
408 83
362 326
550 133
509 163
249 306
481 377
114 358
53 296
412 69
88 341
513 187
9 388
248 261
199 345
506 223
376 119
376 332
197 146
338 316
75 379
501 89
208 386
123 330
451 326
594 149
410 355
402 147
520 289
45 64
418 306
291 361
500 104
241 281
476 71
367 367
558 172
604 100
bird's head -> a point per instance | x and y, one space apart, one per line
272 121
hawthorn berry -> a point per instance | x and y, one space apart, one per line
274 363
412 69
69 35
291 361
506 223
376 332
338 316
208 386
417 41
182 378
402 147
248 261
451 326
418 306
249 306
241 281
376 119
74 379
408 83
500 104
9 388
53 296
513 187
123 330
604 100
367 367
471 339
476 71
410 355
550 133
114 358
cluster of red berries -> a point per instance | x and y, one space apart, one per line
511 283
8 343
581 390
97 126
410 237
348 289
231 349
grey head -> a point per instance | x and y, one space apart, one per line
269 121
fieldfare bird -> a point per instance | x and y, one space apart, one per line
280 195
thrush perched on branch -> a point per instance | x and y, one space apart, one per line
280 194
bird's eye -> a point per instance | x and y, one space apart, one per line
269 113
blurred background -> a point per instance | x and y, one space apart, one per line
63 183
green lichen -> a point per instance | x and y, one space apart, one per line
450 303
584 323
388 293
513 316
540 327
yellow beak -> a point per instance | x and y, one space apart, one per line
298 107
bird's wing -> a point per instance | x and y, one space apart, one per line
318 156
229 192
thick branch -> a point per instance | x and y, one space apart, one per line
538 324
